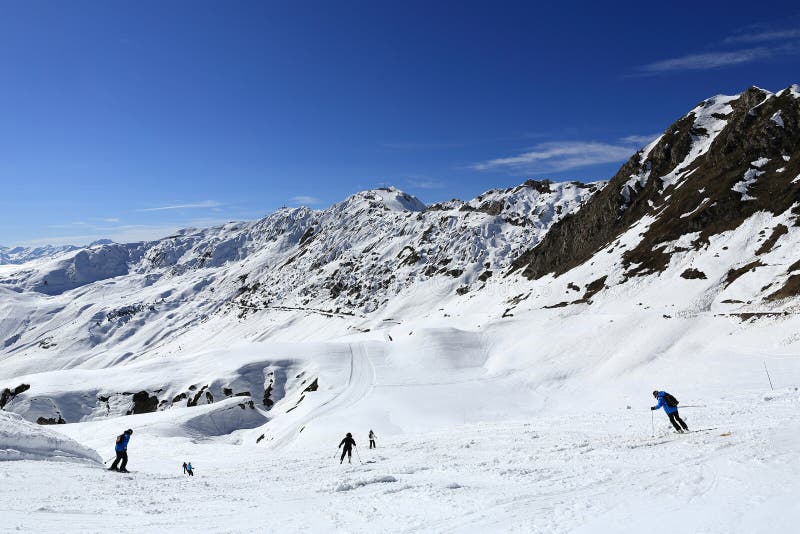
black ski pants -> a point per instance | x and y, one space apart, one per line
372 444
121 455
677 422
346 451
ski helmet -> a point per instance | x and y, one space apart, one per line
129 431
655 393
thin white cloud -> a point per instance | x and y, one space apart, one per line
129 233
304 200
764 36
111 220
196 205
639 140
710 60
560 156
421 146
70 225
425 183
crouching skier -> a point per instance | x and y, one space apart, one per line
121 448
670 405
348 443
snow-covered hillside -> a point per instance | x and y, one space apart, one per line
503 349
19 255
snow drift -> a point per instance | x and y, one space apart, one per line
22 440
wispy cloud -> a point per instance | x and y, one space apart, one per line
422 146
764 36
765 43
196 205
710 60
111 220
68 225
129 233
425 183
304 200
560 156
640 140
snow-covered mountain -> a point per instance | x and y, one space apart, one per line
104 304
18 255
716 196
702 220
503 349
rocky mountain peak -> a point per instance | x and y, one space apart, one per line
386 198
728 158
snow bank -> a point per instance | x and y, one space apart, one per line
21 440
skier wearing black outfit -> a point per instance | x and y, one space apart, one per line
372 437
348 443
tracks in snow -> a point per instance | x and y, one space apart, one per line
360 382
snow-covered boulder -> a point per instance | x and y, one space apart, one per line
22 440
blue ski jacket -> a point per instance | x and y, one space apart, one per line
123 442
663 404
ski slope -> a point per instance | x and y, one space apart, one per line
518 426
506 372
596 471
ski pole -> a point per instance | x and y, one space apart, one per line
359 456
768 377
652 424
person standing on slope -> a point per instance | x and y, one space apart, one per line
348 443
121 448
670 405
189 469
372 437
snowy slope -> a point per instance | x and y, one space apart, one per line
19 255
503 349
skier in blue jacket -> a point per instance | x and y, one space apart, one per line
670 405
121 448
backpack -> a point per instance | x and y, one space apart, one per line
119 438
671 401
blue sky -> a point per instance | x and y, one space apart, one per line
130 119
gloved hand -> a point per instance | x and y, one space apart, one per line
652 408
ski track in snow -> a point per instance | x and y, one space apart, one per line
359 383
589 472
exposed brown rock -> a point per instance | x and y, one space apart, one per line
767 245
749 134
693 274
